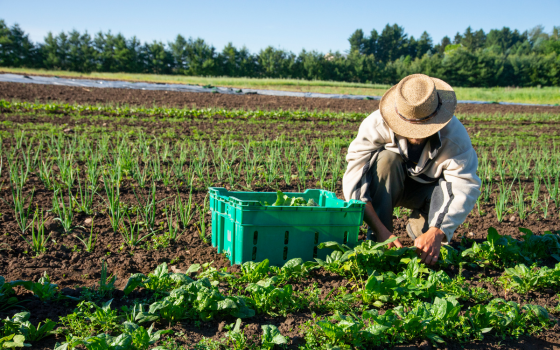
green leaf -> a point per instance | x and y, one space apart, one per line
192 268
279 199
271 335
292 263
134 281
435 338
161 271
493 235
17 341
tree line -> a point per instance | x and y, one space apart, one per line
501 57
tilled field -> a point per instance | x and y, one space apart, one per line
80 95
73 165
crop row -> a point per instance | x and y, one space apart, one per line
85 177
425 303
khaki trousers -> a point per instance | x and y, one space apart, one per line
392 187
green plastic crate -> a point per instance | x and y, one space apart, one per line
246 230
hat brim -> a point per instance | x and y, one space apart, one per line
427 128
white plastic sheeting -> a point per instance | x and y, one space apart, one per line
16 78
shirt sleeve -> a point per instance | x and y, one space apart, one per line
456 194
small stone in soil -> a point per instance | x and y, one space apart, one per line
512 218
87 221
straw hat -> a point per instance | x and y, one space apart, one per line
418 106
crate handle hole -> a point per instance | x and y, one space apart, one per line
315 252
285 253
254 257
255 237
345 237
316 238
286 237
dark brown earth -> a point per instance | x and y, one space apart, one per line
72 268
148 98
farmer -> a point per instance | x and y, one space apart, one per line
414 153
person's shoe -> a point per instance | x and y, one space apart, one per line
417 224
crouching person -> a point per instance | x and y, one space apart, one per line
414 153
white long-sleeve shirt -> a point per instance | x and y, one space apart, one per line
448 157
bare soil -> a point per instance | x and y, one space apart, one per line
72 268
46 93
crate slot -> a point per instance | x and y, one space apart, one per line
316 238
286 237
255 237
345 240
285 256
254 253
314 252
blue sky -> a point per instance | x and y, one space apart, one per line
293 25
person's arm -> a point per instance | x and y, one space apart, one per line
381 232
451 202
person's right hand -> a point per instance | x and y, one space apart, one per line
383 236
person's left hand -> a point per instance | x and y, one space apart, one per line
429 244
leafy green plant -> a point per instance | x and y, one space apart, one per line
7 298
293 270
272 337
19 324
286 201
43 289
254 272
196 300
268 298
159 281
13 341
497 250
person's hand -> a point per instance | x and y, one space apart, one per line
385 235
429 244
